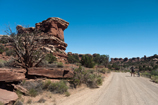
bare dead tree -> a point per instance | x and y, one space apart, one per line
28 48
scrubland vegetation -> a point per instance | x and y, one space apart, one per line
89 61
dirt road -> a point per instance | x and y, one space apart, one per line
118 89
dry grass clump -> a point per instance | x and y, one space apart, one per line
58 87
34 87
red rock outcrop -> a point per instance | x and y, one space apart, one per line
51 72
10 75
52 36
7 96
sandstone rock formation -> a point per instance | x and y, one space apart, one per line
7 96
51 72
10 75
52 36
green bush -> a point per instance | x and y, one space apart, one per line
58 87
101 59
4 39
33 92
154 72
34 87
9 63
99 80
2 49
1 65
46 84
146 74
154 78
60 64
104 70
50 58
87 61
73 58
10 52
88 77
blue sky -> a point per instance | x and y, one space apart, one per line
119 28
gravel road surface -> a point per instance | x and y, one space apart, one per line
117 89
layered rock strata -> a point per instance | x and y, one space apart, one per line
52 36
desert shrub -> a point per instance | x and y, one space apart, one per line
87 61
67 94
41 100
60 64
2 49
9 63
18 103
46 84
127 70
104 70
4 39
33 92
1 64
50 58
94 80
87 77
90 71
43 63
101 59
34 87
146 74
154 78
99 80
115 66
154 72
58 87
73 58
10 52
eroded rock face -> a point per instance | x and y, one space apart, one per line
52 32
7 96
10 75
51 72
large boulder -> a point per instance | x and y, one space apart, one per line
10 75
7 96
51 72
